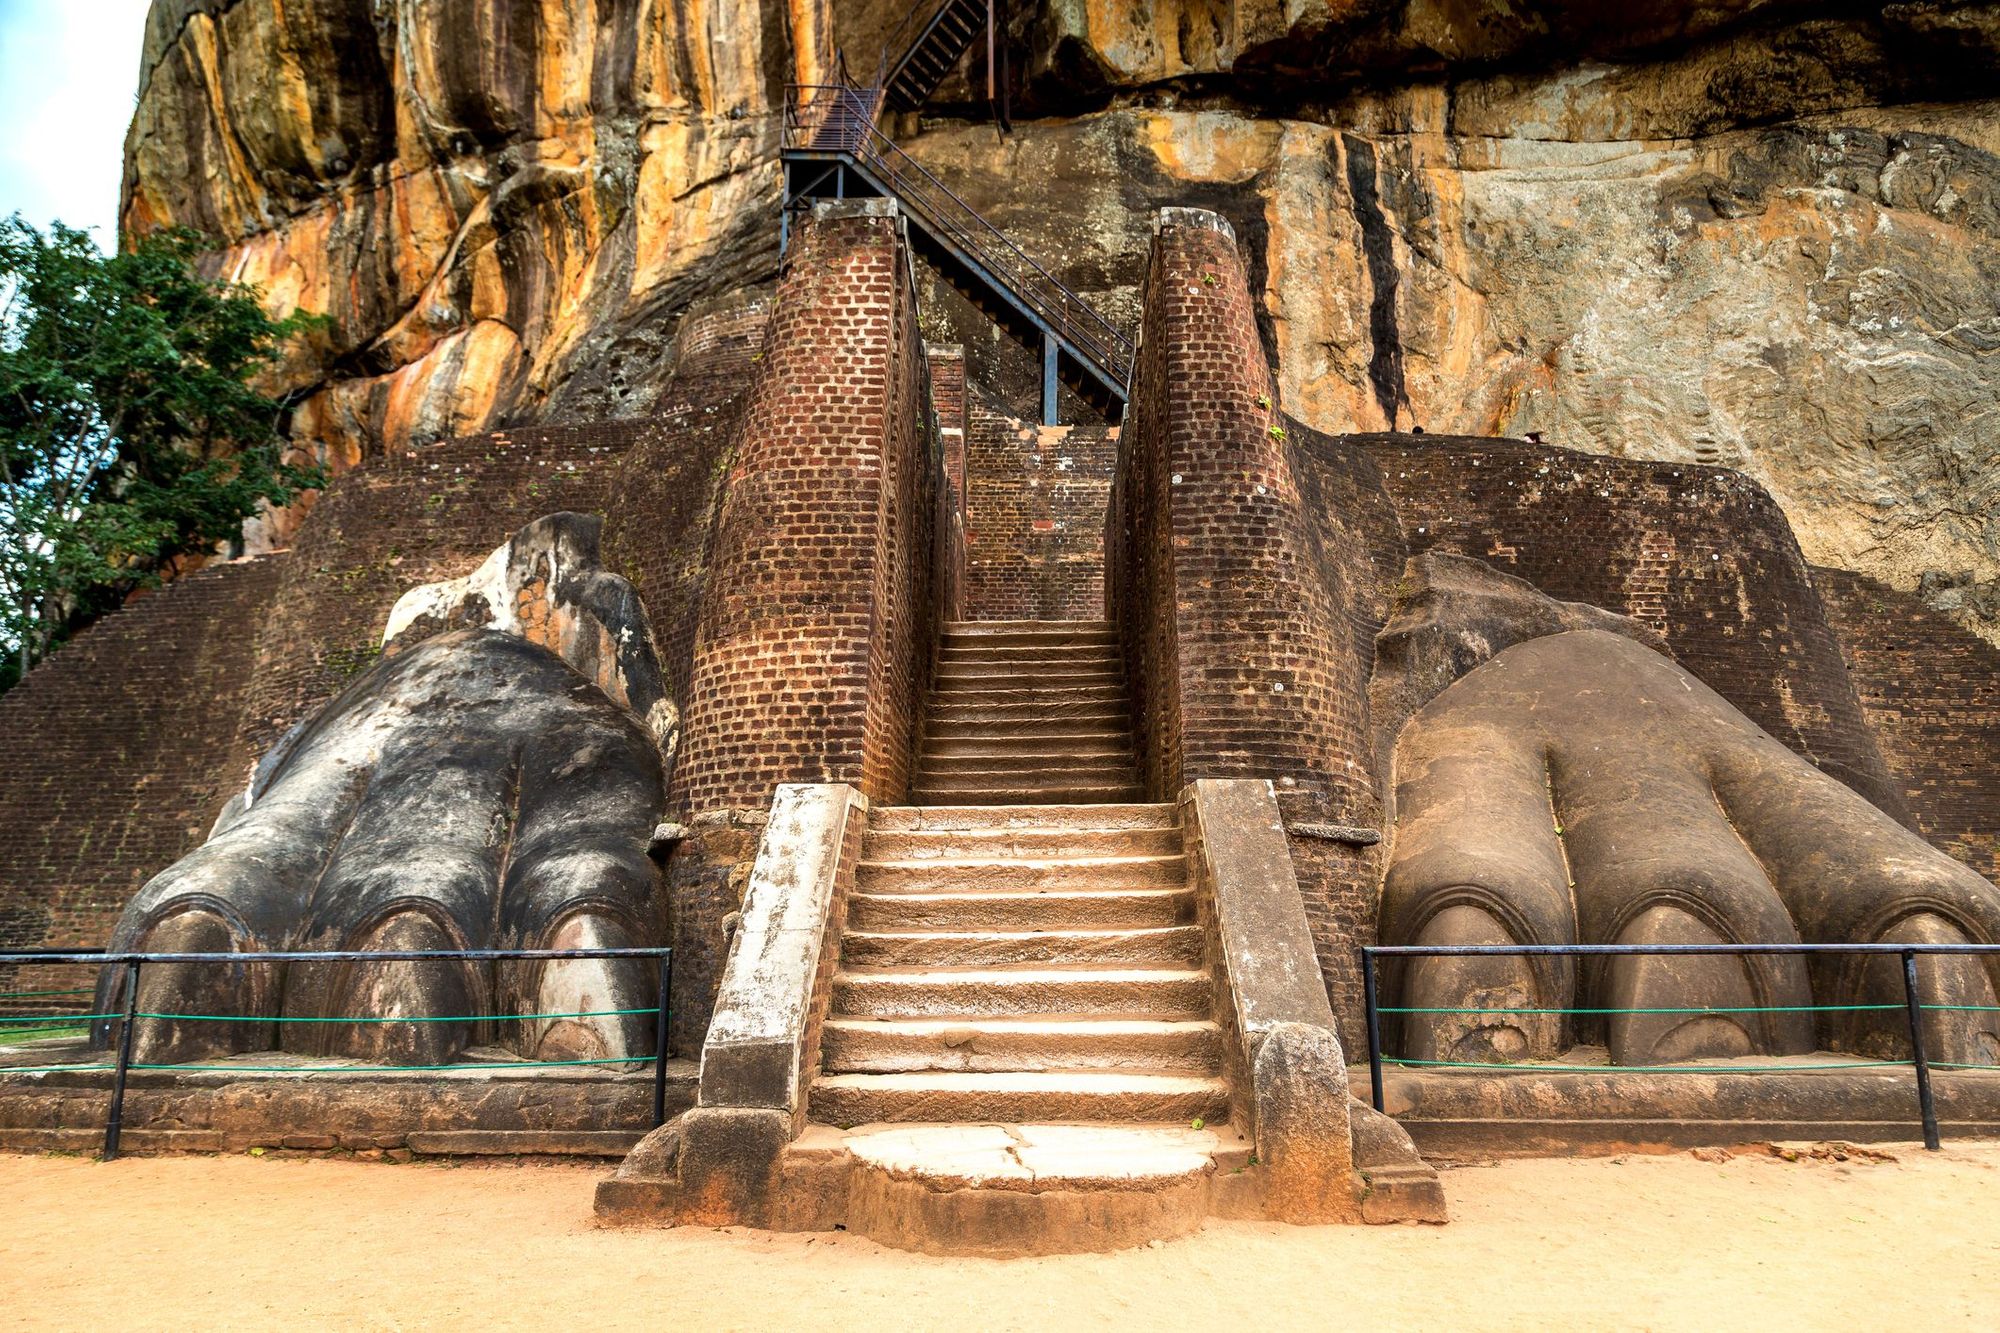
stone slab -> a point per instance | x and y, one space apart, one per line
755 1047
1037 1157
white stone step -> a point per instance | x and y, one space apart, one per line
1007 744
1041 633
985 781
929 875
1016 715
1029 910
1029 815
999 1045
1051 761
1016 794
1037 653
1009 843
1166 946
1112 992
853 1099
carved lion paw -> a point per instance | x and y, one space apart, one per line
473 791
1582 788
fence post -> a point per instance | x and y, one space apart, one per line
1925 1101
116 1121
1374 1027
660 1042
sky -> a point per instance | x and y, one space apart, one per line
69 70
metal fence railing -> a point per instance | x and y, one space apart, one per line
1911 1005
116 1028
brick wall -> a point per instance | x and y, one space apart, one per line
121 750
1035 507
1931 692
815 633
1244 577
1702 554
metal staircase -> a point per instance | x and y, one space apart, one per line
833 148
935 48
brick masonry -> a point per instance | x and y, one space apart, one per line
1035 505
816 631
121 750
1243 577
1931 692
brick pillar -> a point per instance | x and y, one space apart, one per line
818 616
948 397
1237 627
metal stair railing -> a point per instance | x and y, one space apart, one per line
840 119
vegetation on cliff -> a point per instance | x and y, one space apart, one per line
131 434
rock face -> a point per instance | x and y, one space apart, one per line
1757 233
481 196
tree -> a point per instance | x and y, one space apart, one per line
130 435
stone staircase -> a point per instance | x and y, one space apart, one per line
1019 953
1024 1046
1027 712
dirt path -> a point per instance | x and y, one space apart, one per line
1753 1242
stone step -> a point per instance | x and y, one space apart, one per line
1027 689
1038 633
997 1045
944 736
1024 777
1031 843
998 744
1028 653
1045 909
953 679
1028 815
944 765
1004 1191
930 874
1018 795
1167 946
1109 992
1014 714
855 1099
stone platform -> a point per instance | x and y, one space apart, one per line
570 1112
1458 1114
994 1190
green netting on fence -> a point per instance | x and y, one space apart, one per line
1739 1009
439 1018
464 1068
1497 1067
38 994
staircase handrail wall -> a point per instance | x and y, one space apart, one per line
813 123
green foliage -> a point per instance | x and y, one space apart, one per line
130 434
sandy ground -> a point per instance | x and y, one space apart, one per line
1643 1242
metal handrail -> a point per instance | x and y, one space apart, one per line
840 118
